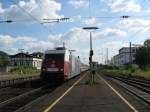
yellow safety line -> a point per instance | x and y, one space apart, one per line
57 100
133 108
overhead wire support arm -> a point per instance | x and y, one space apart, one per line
7 21
49 20
125 16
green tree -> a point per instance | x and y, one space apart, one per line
147 43
37 54
142 56
4 59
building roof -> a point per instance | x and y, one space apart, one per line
21 55
127 48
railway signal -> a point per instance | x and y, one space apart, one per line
91 50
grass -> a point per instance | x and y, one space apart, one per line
23 71
142 73
128 72
91 82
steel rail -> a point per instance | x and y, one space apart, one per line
131 88
9 82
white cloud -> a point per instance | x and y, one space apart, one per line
37 8
148 10
11 44
25 39
90 21
75 18
112 44
134 25
78 39
77 36
1 9
11 50
38 46
6 40
109 33
124 5
55 37
78 3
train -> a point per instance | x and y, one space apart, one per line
61 64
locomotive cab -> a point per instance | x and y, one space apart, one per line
59 65
54 65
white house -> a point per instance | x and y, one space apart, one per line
125 56
23 59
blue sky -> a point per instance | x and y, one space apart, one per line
113 33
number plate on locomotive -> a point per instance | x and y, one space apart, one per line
52 69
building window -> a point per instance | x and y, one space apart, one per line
133 50
34 64
15 63
28 63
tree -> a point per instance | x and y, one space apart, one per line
142 56
38 54
4 59
147 43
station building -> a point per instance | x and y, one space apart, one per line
26 60
125 56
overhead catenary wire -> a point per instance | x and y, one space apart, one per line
31 16
55 20
38 21
139 31
90 11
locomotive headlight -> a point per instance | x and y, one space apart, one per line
44 69
61 69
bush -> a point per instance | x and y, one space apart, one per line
24 70
132 70
127 67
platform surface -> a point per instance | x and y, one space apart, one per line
91 98
11 77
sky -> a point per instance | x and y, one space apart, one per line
31 32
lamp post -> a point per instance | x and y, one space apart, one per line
21 59
131 53
91 51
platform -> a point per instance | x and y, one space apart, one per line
12 77
91 98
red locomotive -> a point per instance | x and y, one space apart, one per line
60 64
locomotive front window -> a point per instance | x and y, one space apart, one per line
54 61
54 56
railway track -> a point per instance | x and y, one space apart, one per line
18 89
18 102
138 87
137 83
15 81
14 96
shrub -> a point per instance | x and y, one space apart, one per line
23 70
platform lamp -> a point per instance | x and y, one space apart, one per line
90 29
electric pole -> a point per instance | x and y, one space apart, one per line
130 53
